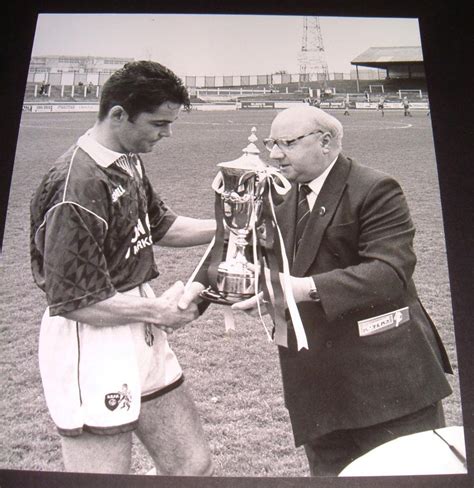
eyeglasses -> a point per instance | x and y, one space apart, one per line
286 143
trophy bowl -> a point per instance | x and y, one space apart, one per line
238 207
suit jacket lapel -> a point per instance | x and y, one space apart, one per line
321 215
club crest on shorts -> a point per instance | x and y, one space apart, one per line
122 399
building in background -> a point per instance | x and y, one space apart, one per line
73 70
393 71
404 65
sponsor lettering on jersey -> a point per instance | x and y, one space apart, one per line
141 237
117 193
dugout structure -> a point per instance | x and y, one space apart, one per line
404 66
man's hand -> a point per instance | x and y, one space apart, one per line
190 295
171 316
250 306
300 286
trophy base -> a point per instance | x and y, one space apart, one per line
215 297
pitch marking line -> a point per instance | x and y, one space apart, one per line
399 125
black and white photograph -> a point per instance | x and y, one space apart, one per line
225 254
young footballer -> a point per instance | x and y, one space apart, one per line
406 107
381 105
106 365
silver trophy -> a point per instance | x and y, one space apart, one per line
240 202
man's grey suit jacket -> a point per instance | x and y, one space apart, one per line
362 367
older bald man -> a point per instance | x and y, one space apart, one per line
375 367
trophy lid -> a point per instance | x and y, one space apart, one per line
250 160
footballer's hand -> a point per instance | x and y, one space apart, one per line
169 316
250 306
190 295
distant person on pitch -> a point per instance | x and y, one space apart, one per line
380 105
346 107
406 107
106 365
375 367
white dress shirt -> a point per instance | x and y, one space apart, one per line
317 184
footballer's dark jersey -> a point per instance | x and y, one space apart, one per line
94 219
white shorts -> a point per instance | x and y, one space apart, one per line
94 378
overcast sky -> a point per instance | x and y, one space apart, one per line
217 44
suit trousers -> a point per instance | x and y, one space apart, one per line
329 454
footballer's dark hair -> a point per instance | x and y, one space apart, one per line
142 86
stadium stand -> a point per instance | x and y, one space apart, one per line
393 71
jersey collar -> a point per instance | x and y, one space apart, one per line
100 154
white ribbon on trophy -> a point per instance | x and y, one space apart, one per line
281 186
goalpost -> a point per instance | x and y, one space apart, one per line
408 93
376 89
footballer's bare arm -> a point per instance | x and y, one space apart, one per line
170 310
187 232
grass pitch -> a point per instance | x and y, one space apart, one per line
234 377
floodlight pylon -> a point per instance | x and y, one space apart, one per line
312 58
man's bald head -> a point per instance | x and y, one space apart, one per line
304 141
307 118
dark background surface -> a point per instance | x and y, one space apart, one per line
446 30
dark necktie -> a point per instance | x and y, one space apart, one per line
302 213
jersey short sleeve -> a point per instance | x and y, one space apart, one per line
75 269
